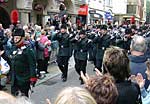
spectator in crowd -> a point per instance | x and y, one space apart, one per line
138 57
145 93
74 95
6 98
44 40
116 63
102 88
1 31
23 100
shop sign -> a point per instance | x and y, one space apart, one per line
83 10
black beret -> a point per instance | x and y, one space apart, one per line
19 32
63 26
98 26
128 31
133 27
82 32
103 27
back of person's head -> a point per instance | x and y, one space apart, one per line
74 95
103 89
116 62
138 44
6 98
148 64
23 100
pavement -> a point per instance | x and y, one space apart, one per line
53 72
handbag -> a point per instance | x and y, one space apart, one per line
46 52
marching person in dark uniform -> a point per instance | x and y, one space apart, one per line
64 52
127 39
102 42
23 63
81 54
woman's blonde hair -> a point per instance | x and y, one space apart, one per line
6 98
74 95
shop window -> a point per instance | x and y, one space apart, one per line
131 9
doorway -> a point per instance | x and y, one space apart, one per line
4 18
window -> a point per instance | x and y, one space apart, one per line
131 9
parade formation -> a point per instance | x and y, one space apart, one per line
120 54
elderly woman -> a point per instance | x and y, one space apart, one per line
42 52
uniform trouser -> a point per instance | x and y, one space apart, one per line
62 62
99 64
46 59
23 89
80 65
91 54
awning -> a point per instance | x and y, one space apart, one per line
96 16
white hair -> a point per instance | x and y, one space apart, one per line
23 100
138 44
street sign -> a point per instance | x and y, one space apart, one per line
108 16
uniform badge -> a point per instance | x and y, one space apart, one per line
14 52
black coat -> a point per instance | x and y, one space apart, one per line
101 44
128 93
64 44
82 49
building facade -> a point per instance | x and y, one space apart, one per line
135 9
119 10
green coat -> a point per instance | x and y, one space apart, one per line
23 65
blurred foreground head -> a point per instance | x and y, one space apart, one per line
103 89
74 95
6 98
116 62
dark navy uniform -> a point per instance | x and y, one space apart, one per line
64 53
102 43
81 54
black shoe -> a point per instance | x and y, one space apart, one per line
64 79
62 76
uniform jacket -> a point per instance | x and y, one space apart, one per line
64 44
82 49
101 44
23 65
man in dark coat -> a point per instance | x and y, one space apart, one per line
23 64
64 52
81 54
138 57
102 42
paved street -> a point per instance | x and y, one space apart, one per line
49 88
